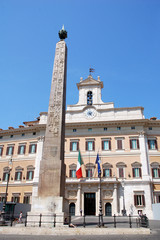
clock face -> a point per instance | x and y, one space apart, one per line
90 113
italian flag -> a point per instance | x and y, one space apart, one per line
79 170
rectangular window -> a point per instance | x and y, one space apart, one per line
90 146
105 129
10 150
106 145
21 149
74 130
133 128
89 173
74 146
30 175
107 172
155 172
121 172
15 199
26 199
5 176
89 129
32 148
73 173
139 200
118 128
1 151
134 144
119 144
18 176
136 172
152 144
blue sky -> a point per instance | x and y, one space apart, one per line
119 38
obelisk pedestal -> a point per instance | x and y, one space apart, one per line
49 199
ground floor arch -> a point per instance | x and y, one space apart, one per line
72 209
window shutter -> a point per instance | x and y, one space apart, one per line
21 176
133 172
70 173
102 145
138 143
103 172
158 172
70 146
77 146
27 175
19 149
149 145
93 145
35 148
86 173
110 172
4 176
140 172
12 150
109 144
7 151
143 200
32 174
152 172
1 151
16 175
24 149
30 148
86 146
130 143
156 144
12 199
135 200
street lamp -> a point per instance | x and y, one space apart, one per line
101 224
124 210
2 220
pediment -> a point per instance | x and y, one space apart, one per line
90 81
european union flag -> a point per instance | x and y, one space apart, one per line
98 161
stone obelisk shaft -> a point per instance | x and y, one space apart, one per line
52 168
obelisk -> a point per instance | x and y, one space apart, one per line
51 186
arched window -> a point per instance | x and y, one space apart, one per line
89 98
72 209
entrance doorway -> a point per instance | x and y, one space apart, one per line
72 209
89 204
108 209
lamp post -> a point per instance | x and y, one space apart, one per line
124 210
101 224
2 220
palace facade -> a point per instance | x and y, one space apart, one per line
128 146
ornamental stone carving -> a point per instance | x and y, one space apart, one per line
72 194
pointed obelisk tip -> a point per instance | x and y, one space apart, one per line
62 33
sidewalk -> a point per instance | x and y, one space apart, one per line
21 230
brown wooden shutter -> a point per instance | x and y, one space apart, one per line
70 173
140 172
15 175
158 172
119 144
133 173
21 176
77 146
103 172
24 149
102 145
35 148
1 151
152 172
32 174
109 144
138 143
86 146
27 175
93 145
135 200
143 200
4 176
86 173
7 151
19 147
30 148
70 146
156 144
12 150
110 172
130 141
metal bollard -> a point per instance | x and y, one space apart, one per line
40 220
84 223
114 221
54 220
130 221
25 224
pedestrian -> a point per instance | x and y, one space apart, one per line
81 212
20 217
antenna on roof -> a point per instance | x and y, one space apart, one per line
91 70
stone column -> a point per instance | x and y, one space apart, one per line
78 204
115 197
144 156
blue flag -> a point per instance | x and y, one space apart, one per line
98 162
